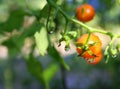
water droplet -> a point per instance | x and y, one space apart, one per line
114 56
91 60
51 31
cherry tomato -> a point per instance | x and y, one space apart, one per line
91 50
94 43
85 13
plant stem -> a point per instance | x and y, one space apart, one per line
66 25
88 38
90 29
109 46
63 75
80 23
52 3
8 75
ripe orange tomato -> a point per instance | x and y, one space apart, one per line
94 43
85 13
91 50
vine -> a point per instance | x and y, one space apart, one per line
90 30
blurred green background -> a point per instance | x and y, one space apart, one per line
21 17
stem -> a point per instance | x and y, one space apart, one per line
106 54
80 23
65 15
90 29
8 75
63 75
52 3
102 31
111 42
109 46
47 86
88 38
66 25
84 1
118 36
48 19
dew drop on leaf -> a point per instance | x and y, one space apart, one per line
114 56
51 31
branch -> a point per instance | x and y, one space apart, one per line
90 29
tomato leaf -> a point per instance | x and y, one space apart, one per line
41 40
55 55
50 71
36 4
35 68
15 21
14 46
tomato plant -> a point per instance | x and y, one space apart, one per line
85 13
43 27
89 47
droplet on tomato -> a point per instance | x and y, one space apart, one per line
91 60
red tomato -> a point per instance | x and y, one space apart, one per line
92 50
85 13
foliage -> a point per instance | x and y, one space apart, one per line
47 21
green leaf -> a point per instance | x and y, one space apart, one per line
44 11
55 55
15 21
50 71
12 49
30 31
41 40
3 38
118 2
35 68
35 4
14 46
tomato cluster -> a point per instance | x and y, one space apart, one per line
91 50
85 13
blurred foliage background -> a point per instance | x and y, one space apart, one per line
22 66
